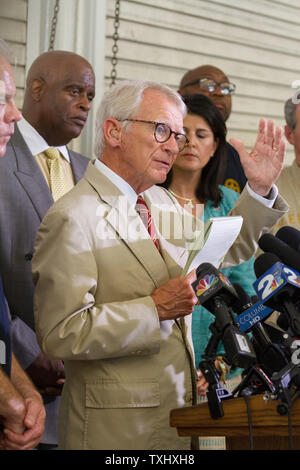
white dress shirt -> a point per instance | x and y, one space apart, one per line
35 142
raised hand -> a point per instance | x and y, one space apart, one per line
263 165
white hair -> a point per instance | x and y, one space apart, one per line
121 101
290 113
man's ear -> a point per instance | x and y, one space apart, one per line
112 132
289 134
37 88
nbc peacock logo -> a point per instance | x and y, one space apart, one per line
296 280
205 283
225 280
277 281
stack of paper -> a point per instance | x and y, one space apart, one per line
219 235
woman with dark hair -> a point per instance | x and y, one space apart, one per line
194 182
203 159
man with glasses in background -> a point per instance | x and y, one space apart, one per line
212 82
109 300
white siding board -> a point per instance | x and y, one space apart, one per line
13 27
256 44
13 31
183 60
180 13
133 31
14 9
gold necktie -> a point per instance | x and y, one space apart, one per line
58 184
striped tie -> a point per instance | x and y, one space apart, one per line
58 184
144 213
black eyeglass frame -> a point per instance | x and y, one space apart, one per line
199 80
156 123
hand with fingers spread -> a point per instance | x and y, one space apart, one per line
175 298
263 165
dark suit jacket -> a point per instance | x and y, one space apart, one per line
24 200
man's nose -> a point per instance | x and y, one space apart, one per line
217 91
172 144
85 103
12 114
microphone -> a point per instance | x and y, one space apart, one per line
277 286
271 244
290 236
216 293
269 355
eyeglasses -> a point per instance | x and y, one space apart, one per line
163 132
210 85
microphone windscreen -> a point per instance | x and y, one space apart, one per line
287 255
290 236
211 282
243 300
264 262
282 321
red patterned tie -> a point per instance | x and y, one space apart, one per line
144 213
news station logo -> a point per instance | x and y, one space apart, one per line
276 277
295 358
204 284
210 280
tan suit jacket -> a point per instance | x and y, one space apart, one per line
125 370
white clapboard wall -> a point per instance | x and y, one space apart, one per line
257 44
13 29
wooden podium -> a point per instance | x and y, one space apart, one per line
270 430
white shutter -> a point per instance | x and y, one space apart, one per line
13 29
255 43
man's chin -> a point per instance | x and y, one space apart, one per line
156 177
73 130
161 177
66 136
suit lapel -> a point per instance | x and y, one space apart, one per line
78 164
32 179
30 176
128 225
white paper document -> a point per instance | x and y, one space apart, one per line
220 234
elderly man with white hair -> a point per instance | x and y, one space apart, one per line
109 299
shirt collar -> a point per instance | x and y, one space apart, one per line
35 142
124 187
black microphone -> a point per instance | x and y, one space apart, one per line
216 293
290 236
270 356
278 287
271 244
